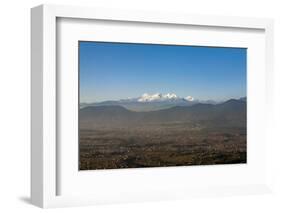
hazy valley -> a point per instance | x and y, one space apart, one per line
112 136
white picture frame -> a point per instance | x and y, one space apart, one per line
45 166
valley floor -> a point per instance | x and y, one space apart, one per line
160 145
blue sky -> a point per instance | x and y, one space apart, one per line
113 71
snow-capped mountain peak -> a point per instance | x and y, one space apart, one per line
170 96
147 97
189 98
159 97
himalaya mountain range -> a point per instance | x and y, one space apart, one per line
154 102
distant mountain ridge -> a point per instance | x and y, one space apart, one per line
230 113
152 102
147 102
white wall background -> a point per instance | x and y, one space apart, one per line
15 104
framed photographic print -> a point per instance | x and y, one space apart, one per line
130 106
124 122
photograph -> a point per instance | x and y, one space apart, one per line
147 105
